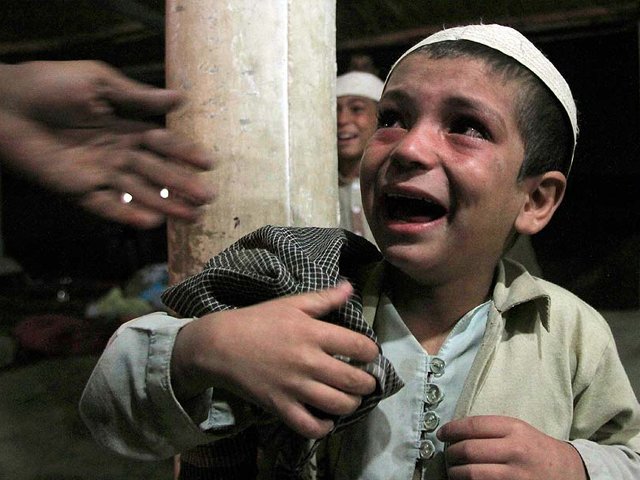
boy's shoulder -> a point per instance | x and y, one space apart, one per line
563 300
561 309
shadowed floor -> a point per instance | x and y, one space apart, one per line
42 436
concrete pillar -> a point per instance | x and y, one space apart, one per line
259 77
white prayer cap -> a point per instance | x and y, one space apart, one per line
515 45
361 84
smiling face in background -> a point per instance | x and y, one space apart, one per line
439 176
356 123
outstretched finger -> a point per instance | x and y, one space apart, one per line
108 204
177 178
131 98
182 181
139 193
174 146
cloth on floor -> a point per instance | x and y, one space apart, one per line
148 283
114 305
56 334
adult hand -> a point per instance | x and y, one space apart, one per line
79 128
276 354
497 447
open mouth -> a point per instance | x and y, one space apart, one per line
412 209
346 136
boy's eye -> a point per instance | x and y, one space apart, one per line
469 127
389 119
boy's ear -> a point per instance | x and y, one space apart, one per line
544 194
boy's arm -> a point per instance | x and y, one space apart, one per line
607 421
274 354
128 404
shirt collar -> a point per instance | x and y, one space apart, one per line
513 286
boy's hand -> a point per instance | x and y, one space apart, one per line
276 354
496 447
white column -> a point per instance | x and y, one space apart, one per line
259 77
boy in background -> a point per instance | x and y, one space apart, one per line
357 99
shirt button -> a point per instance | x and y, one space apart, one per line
427 450
432 394
437 366
431 421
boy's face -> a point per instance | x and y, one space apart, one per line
439 176
356 123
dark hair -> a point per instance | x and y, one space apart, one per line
542 121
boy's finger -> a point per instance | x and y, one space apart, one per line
338 340
482 426
300 419
475 451
320 303
335 339
347 378
328 401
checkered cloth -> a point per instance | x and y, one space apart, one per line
277 261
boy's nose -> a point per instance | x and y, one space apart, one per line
343 116
418 148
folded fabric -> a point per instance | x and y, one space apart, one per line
277 261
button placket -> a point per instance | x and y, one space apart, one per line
433 395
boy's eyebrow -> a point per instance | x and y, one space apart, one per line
466 103
355 99
398 96
459 102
